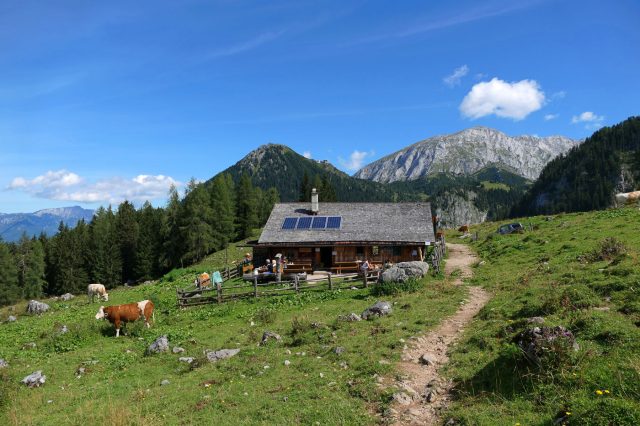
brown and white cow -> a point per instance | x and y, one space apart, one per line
129 312
464 229
97 290
627 198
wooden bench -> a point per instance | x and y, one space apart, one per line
340 267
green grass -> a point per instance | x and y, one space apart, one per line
486 184
569 271
123 386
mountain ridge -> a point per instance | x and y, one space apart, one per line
13 225
466 152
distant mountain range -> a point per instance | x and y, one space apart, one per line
470 176
13 225
468 152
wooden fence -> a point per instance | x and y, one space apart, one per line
221 293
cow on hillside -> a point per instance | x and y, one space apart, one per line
97 290
129 312
624 198
464 229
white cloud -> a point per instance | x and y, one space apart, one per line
307 154
51 179
510 100
549 117
559 95
592 120
66 186
455 78
356 160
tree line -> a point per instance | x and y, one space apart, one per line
129 245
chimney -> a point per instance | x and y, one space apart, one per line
314 201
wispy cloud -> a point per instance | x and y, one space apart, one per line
355 161
63 185
549 117
244 46
509 100
307 154
592 121
476 14
454 78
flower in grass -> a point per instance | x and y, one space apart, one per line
598 392
567 413
607 391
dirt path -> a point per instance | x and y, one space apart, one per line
423 394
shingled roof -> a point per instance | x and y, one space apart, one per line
367 223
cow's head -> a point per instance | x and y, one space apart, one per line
105 297
100 314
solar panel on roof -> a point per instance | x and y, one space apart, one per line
289 223
304 223
319 222
334 222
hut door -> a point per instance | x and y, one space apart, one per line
326 257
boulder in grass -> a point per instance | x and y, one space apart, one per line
66 297
380 309
269 335
403 271
177 350
161 344
35 380
3 363
541 344
12 319
352 317
215 356
37 308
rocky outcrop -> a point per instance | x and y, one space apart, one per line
455 210
35 380
215 356
466 152
161 344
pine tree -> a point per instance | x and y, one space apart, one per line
327 191
305 188
171 236
246 208
196 223
222 204
30 265
68 270
269 199
104 253
9 290
128 230
149 242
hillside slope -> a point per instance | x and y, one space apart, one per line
587 177
467 152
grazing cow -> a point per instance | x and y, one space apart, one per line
130 312
203 280
464 229
97 290
627 198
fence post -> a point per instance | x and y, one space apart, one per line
366 284
255 286
330 283
219 289
295 282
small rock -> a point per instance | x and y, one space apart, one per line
215 356
535 320
66 297
344 365
161 344
378 310
186 359
383 362
30 345
287 362
426 359
352 317
80 371
321 375
12 319
64 329
430 396
288 352
482 262
165 382
266 367
35 380
339 350
269 335
354 288
35 307
177 350
49 401
3 363
285 399
402 398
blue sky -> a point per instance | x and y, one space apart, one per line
105 100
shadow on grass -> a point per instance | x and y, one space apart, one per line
504 377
